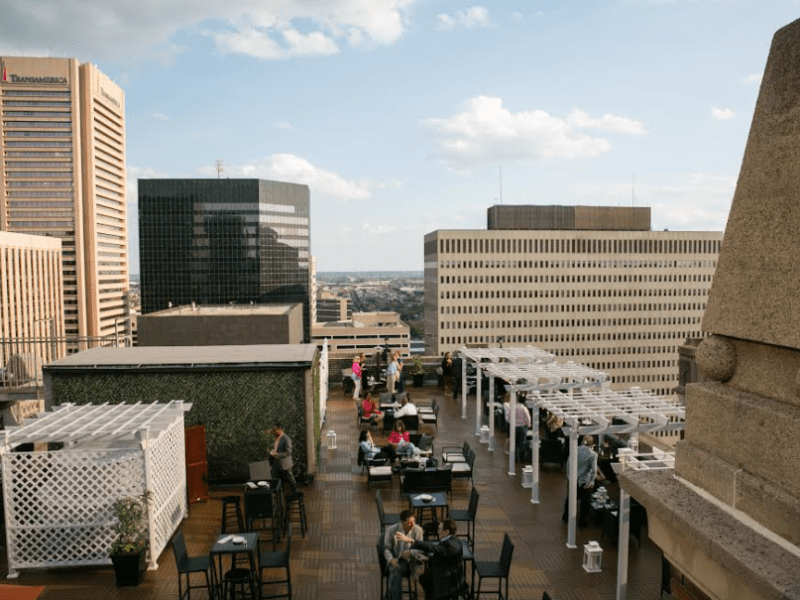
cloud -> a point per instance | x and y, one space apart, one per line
580 118
473 17
128 31
486 132
287 167
160 117
753 78
690 202
722 114
282 125
261 43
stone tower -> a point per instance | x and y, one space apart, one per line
728 518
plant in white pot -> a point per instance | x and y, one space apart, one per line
130 545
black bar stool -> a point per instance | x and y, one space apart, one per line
242 579
296 511
232 514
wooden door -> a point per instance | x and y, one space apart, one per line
196 464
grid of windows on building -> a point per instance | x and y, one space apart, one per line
621 302
229 241
47 98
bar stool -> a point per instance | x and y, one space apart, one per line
232 513
241 578
296 511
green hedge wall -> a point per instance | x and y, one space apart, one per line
237 408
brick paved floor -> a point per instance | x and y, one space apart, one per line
337 559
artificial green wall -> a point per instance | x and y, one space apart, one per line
236 407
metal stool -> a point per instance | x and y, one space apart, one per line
232 513
296 511
241 578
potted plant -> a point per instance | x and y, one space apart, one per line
130 545
418 371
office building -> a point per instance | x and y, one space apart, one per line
365 332
331 307
31 306
591 284
63 176
222 325
224 241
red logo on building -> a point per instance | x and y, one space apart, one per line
4 74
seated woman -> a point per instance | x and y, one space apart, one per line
371 451
400 439
371 411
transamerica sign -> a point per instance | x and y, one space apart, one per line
13 78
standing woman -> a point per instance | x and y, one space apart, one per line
391 374
447 374
400 383
357 377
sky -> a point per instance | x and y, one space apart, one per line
408 116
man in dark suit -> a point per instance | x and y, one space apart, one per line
444 575
281 459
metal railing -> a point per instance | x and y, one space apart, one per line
22 359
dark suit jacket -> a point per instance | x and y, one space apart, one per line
284 458
444 573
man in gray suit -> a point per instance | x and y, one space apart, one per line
400 558
281 459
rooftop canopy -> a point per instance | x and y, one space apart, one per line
69 423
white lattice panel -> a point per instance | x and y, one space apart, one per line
58 503
167 472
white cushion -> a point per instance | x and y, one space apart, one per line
380 471
461 468
452 457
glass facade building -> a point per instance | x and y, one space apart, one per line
224 241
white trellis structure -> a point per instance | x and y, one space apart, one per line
629 459
323 381
603 411
58 501
481 358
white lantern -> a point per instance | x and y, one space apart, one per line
331 440
592 557
527 476
485 434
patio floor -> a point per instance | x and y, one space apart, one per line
337 558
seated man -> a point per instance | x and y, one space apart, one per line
406 408
400 558
444 575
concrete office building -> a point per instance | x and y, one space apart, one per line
63 175
224 241
364 333
31 304
592 284
222 325
331 307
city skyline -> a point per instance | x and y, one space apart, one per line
400 115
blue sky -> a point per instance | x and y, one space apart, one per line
401 114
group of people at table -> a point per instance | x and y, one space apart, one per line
399 440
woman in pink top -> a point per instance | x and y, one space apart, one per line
399 438
356 377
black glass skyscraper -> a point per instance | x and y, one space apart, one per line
223 241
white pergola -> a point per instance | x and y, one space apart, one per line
481 359
58 500
629 460
599 412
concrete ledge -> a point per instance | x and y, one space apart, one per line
718 539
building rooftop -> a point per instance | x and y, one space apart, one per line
189 356
225 310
